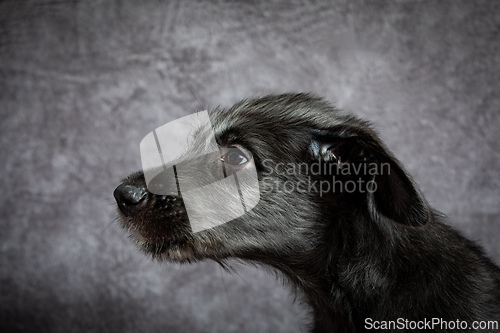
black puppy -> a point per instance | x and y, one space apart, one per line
337 215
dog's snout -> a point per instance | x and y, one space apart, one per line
129 198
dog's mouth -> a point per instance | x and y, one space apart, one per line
159 225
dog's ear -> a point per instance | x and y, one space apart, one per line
390 192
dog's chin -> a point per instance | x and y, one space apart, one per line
167 249
179 245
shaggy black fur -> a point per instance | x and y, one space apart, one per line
354 252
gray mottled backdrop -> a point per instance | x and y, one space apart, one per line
81 83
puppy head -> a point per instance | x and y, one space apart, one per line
315 167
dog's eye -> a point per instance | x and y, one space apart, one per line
235 156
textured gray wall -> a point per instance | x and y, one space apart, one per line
81 83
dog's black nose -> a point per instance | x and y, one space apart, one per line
129 198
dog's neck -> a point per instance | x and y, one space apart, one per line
341 293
